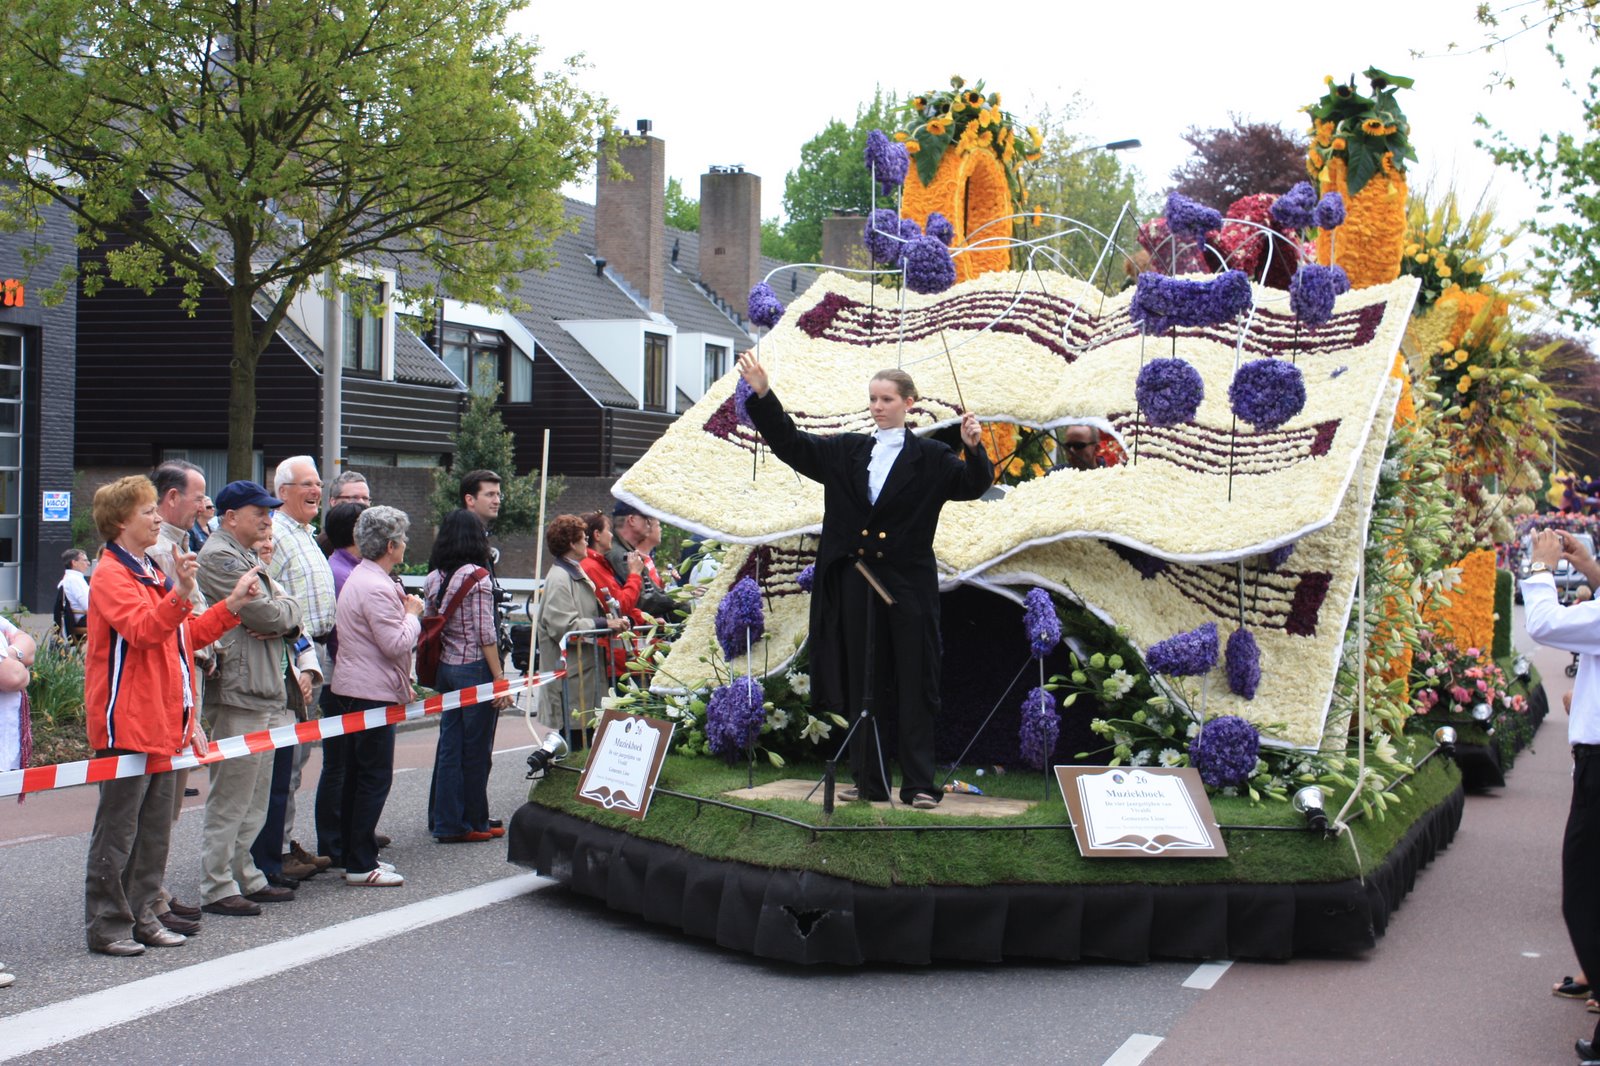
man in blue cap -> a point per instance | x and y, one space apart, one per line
250 693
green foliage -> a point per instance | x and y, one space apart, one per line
775 242
1503 585
55 698
484 443
275 142
682 212
831 178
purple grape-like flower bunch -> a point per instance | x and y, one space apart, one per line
1039 727
1266 393
1161 303
1293 210
734 716
806 577
940 227
888 160
1241 658
1312 291
1185 654
1278 556
764 308
740 620
1169 391
1225 751
881 236
928 266
1329 212
1041 622
1190 218
741 397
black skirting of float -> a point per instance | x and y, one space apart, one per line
804 917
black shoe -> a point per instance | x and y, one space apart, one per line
281 881
190 792
1586 1051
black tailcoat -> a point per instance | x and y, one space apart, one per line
894 537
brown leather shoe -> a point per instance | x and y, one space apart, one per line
271 894
383 839
179 924
295 870
237 906
121 948
300 854
184 910
161 938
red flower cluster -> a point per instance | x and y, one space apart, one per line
1451 680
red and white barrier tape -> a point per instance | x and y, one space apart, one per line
93 771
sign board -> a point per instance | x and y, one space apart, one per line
57 507
628 752
1140 812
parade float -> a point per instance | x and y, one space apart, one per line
1252 583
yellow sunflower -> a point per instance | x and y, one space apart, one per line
1373 126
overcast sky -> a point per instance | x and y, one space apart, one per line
745 83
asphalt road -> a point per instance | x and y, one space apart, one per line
480 961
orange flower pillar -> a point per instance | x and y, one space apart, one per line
1466 613
970 190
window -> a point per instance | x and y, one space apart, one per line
716 363
655 372
363 328
483 358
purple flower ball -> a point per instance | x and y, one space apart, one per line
740 620
1293 210
882 236
764 308
1190 218
806 577
734 716
1341 280
909 230
1184 654
887 160
1040 621
928 266
1169 391
1161 303
1312 291
1329 213
940 227
1039 728
1225 751
1241 658
741 396
1267 392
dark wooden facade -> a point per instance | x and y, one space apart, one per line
576 423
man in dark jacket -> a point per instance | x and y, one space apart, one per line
636 532
882 494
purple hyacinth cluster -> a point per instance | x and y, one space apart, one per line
734 716
1191 219
1278 556
940 227
909 230
1161 303
740 620
1293 210
887 160
1225 751
1267 392
881 236
928 266
1241 660
1039 728
764 308
741 397
1329 213
1185 654
1169 391
806 577
1040 620
1312 291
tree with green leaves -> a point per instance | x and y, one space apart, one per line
831 179
258 146
483 442
682 212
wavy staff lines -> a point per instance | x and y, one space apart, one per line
1204 450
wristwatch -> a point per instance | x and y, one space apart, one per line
1538 568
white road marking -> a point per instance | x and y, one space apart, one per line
1207 974
25 840
1133 1051
407 769
71 1019
508 751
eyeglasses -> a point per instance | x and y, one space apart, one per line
1078 445
307 485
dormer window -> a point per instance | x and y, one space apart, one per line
484 358
655 372
363 328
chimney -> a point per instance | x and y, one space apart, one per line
630 228
842 244
730 232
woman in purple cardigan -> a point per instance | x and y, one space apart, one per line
378 626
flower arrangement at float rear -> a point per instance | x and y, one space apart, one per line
967 117
1450 253
1450 680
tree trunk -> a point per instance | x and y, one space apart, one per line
242 393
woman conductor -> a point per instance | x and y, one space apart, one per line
882 494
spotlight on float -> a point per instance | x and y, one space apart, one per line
1308 801
1445 737
1520 668
552 749
1481 712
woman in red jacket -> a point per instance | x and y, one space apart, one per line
139 699
608 590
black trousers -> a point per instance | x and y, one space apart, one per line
1580 866
907 664
368 773
330 787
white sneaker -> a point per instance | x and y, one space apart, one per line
386 867
375 879
6 979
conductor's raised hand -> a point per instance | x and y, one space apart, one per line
754 374
971 432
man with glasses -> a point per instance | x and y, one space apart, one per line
1080 449
349 487
635 532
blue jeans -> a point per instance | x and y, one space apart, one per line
267 851
459 799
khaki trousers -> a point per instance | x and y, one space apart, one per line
236 807
127 857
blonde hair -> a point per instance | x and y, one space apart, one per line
115 503
900 380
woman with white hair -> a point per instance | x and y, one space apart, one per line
378 625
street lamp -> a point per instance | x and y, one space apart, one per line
1109 146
